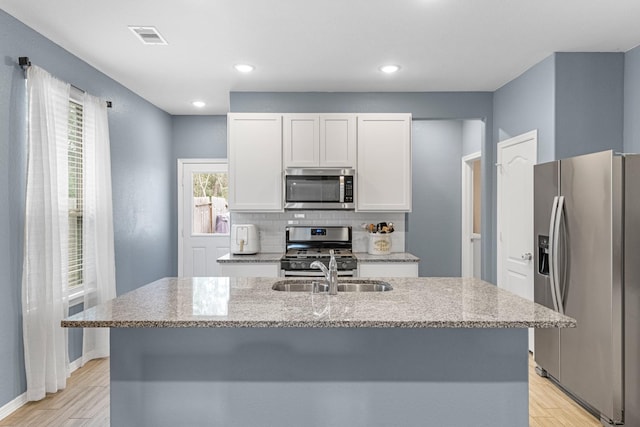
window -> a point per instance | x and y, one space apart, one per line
67 132
210 205
76 195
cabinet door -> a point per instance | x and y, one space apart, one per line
388 269
338 140
255 162
249 269
301 140
384 162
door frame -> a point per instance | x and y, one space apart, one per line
519 139
181 164
467 260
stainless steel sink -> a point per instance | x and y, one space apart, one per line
344 285
364 286
299 286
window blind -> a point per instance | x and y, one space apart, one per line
76 193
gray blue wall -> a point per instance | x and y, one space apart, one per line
201 137
589 102
632 101
472 136
528 103
433 227
422 106
142 157
574 100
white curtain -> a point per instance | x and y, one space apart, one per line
99 261
45 264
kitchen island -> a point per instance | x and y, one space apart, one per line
234 352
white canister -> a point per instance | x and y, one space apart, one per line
379 244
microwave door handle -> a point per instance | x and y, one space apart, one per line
341 188
552 266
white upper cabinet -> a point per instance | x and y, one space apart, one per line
338 140
384 162
254 147
312 140
378 146
301 140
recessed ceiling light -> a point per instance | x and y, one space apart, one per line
244 68
148 35
389 68
199 104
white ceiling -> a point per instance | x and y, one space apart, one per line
324 45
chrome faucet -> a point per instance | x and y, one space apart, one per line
331 273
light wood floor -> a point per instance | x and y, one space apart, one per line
85 402
549 406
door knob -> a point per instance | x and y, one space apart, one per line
526 256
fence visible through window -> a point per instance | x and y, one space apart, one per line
210 205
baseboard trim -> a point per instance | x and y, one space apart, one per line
73 366
13 406
21 400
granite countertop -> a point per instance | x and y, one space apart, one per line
392 257
264 257
257 258
244 302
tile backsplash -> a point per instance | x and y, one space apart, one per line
272 225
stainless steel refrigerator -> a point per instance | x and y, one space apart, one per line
587 231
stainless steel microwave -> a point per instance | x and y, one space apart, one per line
319 188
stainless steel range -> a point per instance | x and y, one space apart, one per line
305 245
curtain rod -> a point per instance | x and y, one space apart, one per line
25 63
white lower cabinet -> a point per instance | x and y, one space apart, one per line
388 269
249 269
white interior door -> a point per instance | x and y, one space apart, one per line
471 198
516 157
203 216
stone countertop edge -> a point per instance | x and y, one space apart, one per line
270 257
261 257
71 323
365 257
246 302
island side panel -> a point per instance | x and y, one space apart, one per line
319 377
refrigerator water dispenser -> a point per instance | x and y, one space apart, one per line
543 255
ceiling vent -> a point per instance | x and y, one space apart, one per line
148 35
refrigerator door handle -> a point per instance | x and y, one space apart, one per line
562 275
554 254
552 266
